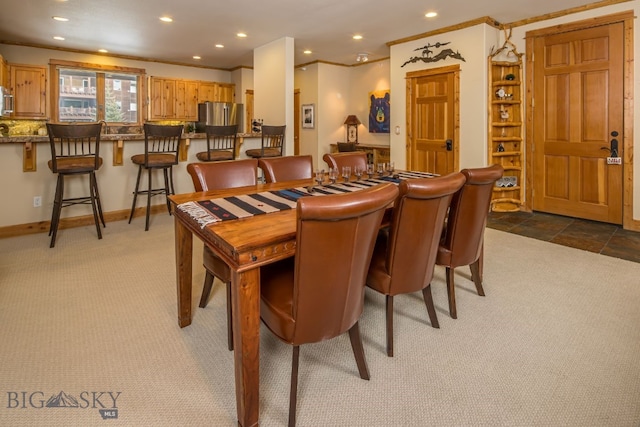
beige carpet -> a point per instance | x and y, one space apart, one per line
556 342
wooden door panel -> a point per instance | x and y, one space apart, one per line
578 84
432 118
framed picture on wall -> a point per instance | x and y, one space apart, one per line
308 116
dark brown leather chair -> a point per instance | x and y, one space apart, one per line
463 237
272 142
217 176
319 293
221 144
352 159
405 256
286 168
161 144
75 150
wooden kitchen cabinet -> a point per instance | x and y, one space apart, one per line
216 92
162 99
207 91
177 99
187 100
226 92
28 86
4 73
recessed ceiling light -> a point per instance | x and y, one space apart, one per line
166 19
241 35
219 46
58 38
357 37
431 14
307 52
60 18
196 57
103 51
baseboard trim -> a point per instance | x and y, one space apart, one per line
76 221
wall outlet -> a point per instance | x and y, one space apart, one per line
37 201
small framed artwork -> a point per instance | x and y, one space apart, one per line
308 116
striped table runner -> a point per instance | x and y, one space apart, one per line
207 212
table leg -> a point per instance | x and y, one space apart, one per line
184 255
245 297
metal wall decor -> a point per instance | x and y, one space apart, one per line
428 54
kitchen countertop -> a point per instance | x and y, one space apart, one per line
111 137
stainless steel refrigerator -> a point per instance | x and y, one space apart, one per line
219 114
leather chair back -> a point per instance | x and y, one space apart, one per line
220 175
286 168
462 240
353 159
335 239
416 226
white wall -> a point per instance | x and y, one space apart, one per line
306 81
273 79
473 44
334 85
364 80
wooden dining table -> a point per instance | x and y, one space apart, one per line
245 245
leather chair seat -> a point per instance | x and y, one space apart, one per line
276 304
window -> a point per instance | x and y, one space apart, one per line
88 93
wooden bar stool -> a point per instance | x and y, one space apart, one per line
221 143
272 143
161 143
75 151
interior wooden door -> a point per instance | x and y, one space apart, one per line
578 112
433 120
296 121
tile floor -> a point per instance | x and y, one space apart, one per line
599 237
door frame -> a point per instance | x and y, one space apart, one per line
626 18
410 78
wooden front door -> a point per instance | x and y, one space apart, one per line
577 113
296 121
433 120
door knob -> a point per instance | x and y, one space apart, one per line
449 144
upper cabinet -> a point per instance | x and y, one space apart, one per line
177 99
216 92
207 91
162 98
4 73
187 99
28 86
226 92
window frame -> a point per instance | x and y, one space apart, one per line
55 65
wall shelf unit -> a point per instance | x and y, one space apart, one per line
506 126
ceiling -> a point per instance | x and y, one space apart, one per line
132 28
